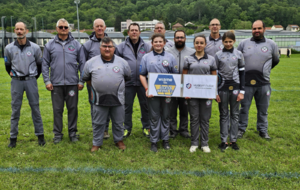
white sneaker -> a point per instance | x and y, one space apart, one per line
193 148
205 149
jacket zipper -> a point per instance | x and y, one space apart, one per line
136 59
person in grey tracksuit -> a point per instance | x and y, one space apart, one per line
200 109
64 58
91 49
213 45
169 44
179 54
231 71
108 94
159 107
261 55
23 61
133 54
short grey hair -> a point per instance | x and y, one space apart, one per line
106 40
97 19
160 23
61 20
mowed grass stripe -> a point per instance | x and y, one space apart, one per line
257 156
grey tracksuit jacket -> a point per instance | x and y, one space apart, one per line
26 62
64 60
125 50
108 80
92 47
180 55
213 45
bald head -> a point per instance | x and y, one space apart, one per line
99 28
21 24
259 22
215 27
99 21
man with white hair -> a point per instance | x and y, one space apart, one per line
160 28
64 56
91 49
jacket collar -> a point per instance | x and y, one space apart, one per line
70 38
19 46
259 41
204 56
212 39
111 61
228 50
162 53
94 38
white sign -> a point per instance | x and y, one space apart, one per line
163 84
200 86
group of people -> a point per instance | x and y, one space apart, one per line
115 74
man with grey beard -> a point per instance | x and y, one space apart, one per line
23 61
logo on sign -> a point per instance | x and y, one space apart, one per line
165 85
188 85
71 48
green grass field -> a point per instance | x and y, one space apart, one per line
259 164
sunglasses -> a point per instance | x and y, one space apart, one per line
65 27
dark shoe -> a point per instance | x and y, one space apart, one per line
147 132
172 135
74 138
223 146
121 145
41 140
13 143
95 148
106 135
240 134
234 146
57 140
126 133
166 145
264 135
154 147
185 135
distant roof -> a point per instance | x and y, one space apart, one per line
278 26
268 28
177 25
294 25
115 35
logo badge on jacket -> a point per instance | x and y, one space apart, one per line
28 53
142 51
165 63
116 69
264 49
71 48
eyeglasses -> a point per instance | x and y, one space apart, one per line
65 27
181 37
109 47
159 28
215 25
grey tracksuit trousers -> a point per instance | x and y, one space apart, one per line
229 98
88 87
183 116
100 115
262 96
200 113
60 95
130 93
159 111
17 90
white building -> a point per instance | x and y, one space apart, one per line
277 27
110 29
144 25
292 27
